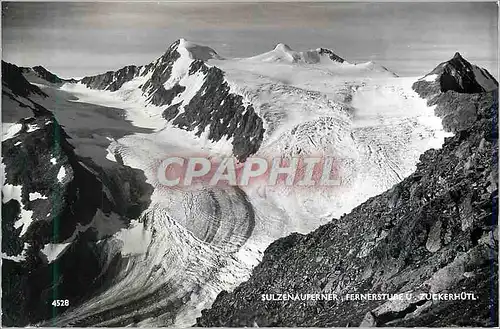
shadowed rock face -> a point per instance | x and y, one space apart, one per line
111 80
43 73
334 57
12 77
435 232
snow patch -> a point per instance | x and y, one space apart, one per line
193 83
18 258
110 155
14 192
54 250
35 196
430 78
11 192
61 174
32 128
12 131
135 239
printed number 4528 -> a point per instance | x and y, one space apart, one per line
60 302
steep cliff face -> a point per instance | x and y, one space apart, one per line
56 207
192 94
433 233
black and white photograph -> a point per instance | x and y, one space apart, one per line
249 164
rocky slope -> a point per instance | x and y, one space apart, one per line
193 95
433 233
39 74
17 94
56 207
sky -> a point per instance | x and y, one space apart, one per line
86 38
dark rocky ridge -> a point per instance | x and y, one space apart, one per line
12 77
39 72
111 80
20 92
213 107
160 73
75 210
434 232
45 74
456 74
334 57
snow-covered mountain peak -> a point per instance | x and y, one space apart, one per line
282 47
285 54
195 51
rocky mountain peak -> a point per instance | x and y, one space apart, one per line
458 56
193 51
456 74
461 76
